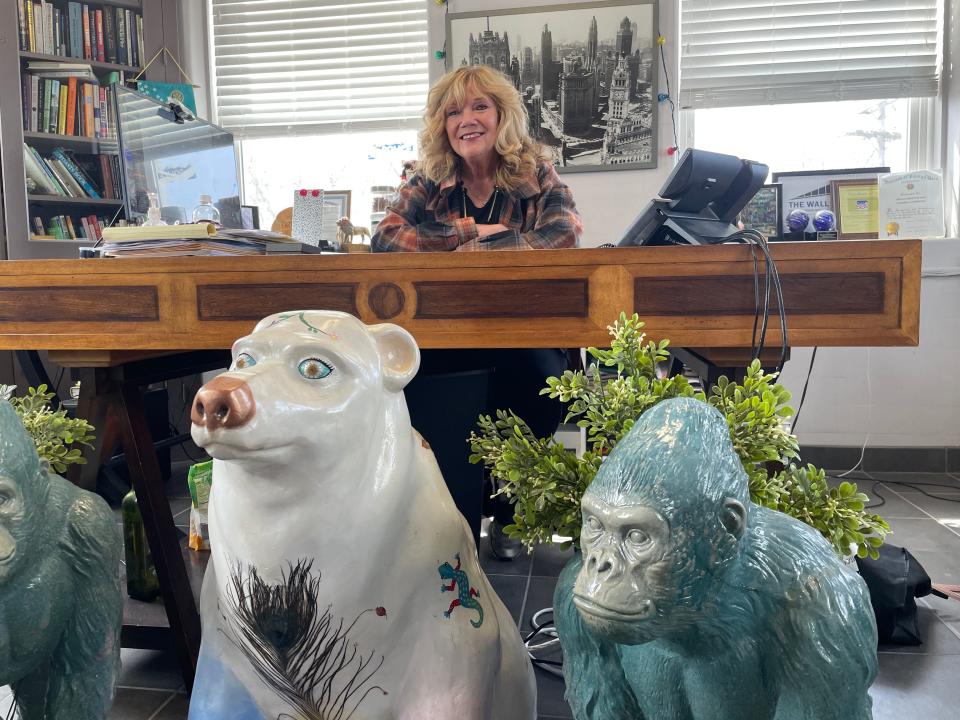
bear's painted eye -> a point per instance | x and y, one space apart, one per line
638 537
314 369
243 361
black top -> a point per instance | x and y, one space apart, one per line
488 214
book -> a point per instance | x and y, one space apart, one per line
62 110
69 183
109 34
37 27
48 47
121 37
139 60
54 101
85 20
75 41
71 229
34 101
98 16
85 182
28 15
33 172
87 103
70 122
51 186
22 26
128 18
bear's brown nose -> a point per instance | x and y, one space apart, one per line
224 402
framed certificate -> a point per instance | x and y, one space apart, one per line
856 206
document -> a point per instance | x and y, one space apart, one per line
911 205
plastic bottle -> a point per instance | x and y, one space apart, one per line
206 211
142 581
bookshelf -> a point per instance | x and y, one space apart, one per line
35 196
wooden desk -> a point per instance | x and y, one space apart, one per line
127 322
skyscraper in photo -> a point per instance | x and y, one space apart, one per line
624 37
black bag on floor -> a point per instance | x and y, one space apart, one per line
895 580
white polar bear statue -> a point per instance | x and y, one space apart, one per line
343 582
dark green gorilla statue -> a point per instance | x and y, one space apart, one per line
693 603
61 604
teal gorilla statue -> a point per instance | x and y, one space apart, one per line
61 604
693 603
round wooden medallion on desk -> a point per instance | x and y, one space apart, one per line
386 300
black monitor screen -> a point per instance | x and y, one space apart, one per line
177 161
698 202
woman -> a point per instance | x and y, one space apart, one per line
482 183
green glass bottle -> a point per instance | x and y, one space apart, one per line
142 582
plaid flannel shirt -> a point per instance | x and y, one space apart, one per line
540 212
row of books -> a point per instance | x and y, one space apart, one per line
68 106
67 175
107 34
63 227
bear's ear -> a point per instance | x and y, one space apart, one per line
399 355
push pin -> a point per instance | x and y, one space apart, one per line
661 97
439 54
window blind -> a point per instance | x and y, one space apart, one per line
305 66
759 52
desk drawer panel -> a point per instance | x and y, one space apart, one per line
501 299
803 294
69 303
253 302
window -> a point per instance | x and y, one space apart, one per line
273 168
319 93
813 84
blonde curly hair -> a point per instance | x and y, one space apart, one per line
518 152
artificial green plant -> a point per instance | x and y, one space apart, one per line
56 435
546 481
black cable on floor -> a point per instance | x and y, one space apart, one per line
874 491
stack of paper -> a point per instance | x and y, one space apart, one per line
189 239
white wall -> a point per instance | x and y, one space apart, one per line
608 201
892 397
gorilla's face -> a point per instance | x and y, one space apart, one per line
11 516
625 560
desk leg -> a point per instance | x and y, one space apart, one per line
161 533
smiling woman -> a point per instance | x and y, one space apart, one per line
482 183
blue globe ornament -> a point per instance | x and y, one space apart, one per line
798 220
824 220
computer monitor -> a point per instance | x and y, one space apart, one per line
177 158
699 201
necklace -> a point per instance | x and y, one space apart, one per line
492 201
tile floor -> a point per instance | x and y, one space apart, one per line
913 681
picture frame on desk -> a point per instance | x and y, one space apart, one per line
856 205
341 198
764 212
250 217
809 191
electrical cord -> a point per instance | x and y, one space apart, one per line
771 282
803 394
673 107
548 629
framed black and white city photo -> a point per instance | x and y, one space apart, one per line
587 73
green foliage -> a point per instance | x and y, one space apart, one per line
55 435
546 482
